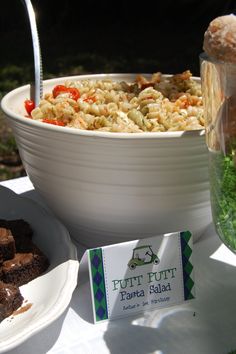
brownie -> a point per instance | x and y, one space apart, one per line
7 244
20 227
10 299
20 262
22 233
24 267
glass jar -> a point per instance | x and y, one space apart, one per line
219 99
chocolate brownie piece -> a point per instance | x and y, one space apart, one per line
7 244
22 233
20 227
24 267
10 299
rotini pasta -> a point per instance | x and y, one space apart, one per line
160 104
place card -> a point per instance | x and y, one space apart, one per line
139 275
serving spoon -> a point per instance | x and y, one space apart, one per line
36 87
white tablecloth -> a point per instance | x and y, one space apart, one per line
206 325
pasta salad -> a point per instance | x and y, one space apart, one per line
160 104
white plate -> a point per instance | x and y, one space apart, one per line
49 294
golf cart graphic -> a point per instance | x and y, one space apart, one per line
143 255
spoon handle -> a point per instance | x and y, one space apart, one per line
36 88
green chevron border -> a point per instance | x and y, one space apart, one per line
186 252
98 284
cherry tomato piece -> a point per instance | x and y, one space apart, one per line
54 122
29 106
74 93
58 89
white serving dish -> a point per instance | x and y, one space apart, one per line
111 187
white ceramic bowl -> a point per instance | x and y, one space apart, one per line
111 187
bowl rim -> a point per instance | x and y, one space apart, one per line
12 115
